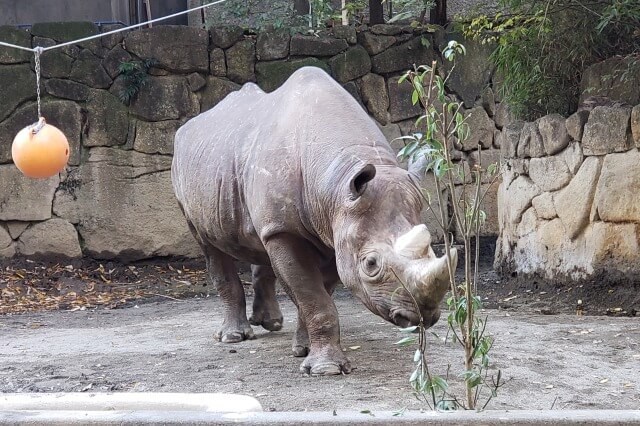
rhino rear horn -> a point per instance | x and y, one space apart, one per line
359 180
414 244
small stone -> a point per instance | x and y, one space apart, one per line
225 37
554 133
273 44
316 46
375 97
175 48
543 206
114 58
488 101
375 44
155 138
549 173
88 70
573 203
519 195
241 61
18 37
575 124
607 131
484 159
481 129
635 125
619 188
64 31
196 81
7 248
392 132
400 105
18 86
164 98
108 120
403 57
352 88
497 139
351 64
345 32
25 199
503 115
573 156
386 29
530 144
53 238
217 63
510 138
215 91
16 228
110 41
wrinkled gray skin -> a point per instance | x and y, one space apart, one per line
303 185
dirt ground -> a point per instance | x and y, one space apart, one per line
146 327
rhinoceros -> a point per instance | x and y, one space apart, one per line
302 184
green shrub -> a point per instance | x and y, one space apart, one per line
544 47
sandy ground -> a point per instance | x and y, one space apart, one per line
550 361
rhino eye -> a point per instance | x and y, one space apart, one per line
371 266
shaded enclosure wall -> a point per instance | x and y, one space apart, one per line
115 198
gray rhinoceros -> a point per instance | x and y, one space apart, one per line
302 184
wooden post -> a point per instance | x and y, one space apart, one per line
148 5
376 12
345 15
438 15
301 6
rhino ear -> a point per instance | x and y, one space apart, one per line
359 180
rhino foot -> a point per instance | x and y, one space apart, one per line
234 334
300 350
325 362
300 343
269 320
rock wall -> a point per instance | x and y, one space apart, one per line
115 199
569 203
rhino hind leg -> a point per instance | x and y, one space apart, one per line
266 311
224 275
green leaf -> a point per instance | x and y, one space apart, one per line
400 412
414 375
407 341
417 355
414 97
438 382
409 329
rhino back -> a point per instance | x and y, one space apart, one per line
258 164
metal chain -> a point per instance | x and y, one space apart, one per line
37 52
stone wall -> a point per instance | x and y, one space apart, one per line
115 199
570 201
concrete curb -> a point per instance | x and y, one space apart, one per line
488 418
128 402
218 409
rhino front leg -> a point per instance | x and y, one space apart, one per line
300 346
224 275
297 264
266 311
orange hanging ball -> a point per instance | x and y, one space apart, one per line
40 151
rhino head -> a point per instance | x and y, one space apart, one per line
384 254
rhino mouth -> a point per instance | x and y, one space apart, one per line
404 318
